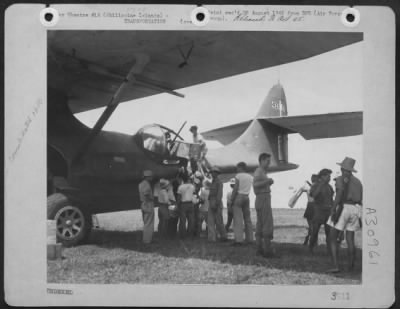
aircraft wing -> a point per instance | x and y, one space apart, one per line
322 125
89 66
308 126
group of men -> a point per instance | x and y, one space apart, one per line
339 212
191 200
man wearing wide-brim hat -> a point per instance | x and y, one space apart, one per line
147 206
346 212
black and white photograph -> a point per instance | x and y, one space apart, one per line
163 148
213 156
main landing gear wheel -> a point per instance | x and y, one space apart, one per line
72 223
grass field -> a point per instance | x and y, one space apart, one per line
115 254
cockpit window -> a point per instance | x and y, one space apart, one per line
154 140
159 140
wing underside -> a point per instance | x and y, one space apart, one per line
89 66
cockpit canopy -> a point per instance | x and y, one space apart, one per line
154 139
164 142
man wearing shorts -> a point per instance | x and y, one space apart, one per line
349 195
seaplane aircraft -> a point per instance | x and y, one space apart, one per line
95 171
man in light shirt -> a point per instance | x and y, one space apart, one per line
186 208
241 205
163 204
204 204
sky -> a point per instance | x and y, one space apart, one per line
327 83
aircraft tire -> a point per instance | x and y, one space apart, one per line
73 223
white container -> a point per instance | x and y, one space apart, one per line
297 194
51 232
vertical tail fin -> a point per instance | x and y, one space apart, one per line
263 137
245 141
274 104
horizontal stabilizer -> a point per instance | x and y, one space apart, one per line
226 135
309 126
321 125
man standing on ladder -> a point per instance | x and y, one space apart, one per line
197 158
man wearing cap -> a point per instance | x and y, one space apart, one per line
265 224
346 212
147 206
322 193
241 205
229 204
214 220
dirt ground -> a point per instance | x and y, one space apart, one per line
115 254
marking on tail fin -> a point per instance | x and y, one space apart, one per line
274 103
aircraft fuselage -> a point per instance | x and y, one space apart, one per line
106 177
